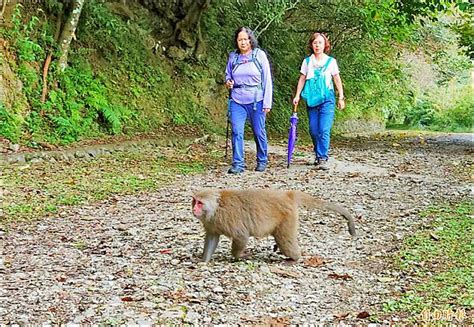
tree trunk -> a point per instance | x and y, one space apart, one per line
68 32
44 93
189 25
4 5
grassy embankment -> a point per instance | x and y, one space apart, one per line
33 191
437 262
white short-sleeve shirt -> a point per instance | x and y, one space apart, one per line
330 71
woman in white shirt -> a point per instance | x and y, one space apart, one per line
319 74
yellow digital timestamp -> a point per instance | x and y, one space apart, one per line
458 315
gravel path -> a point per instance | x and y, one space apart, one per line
133 260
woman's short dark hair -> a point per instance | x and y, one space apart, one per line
253 39
327 44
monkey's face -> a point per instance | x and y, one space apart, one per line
205 204
198 208
204 207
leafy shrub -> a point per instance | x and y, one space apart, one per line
421 115
10 124
26 48
459 118
115 84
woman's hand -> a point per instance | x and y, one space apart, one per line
341 103
266 110
229 84
296 100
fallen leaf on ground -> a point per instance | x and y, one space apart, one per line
177 296
353 175
337 276
278 321
284 273
363 315
315 261
341 315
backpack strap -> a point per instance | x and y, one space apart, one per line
326 65
235 58
256 61
253 58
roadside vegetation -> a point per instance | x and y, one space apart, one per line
401 66
436 264
36 190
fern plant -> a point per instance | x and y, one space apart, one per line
112 119
10 124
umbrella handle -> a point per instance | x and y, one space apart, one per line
295 108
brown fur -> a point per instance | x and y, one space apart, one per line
239 214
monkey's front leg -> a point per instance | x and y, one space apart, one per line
210 245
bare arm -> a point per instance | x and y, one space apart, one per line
299 88
340 92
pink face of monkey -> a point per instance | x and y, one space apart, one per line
205 205
197 208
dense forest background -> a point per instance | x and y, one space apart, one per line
82 69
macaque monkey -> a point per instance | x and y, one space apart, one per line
239 214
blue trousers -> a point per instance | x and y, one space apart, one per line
239 114
320 122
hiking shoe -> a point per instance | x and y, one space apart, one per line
236 170
323 165
260 167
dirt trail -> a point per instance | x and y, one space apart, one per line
133 259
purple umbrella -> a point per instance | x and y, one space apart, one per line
292 134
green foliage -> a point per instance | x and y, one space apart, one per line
103 30
441 257
46 187
442 96
435 114
445 51
26 48
81 103
79 108
367 42
465 29
10 124
413 9
422 114
115 84
459 117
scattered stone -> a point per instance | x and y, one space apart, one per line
14 147
76 267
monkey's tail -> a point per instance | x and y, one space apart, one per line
309 202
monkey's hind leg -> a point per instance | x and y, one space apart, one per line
238 246
286 238
210 245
